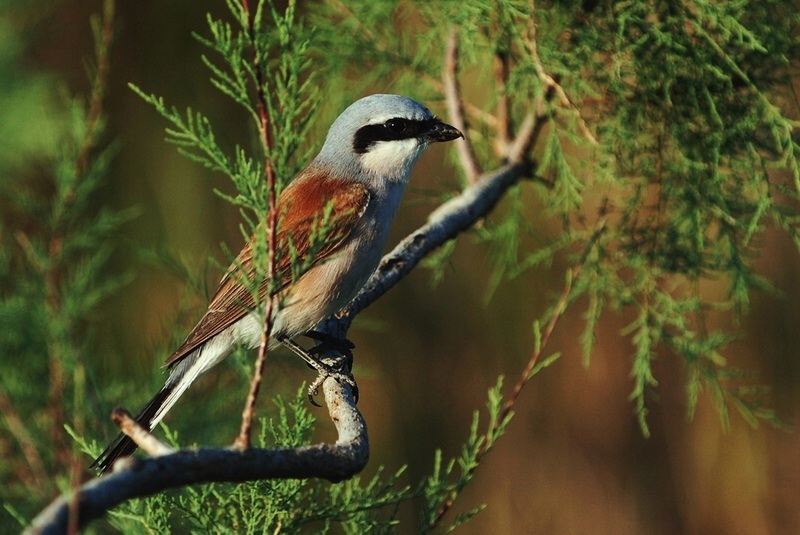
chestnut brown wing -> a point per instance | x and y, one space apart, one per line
301 205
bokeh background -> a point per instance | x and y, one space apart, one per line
574 459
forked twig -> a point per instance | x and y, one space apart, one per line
549 82
474 111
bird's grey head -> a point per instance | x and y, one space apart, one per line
382 136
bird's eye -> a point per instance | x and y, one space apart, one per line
397 126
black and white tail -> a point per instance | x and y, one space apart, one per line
123 446
183 374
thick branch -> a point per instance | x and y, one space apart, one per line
444 224
144 477
333 462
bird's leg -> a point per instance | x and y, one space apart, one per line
325 366
336 353
330 342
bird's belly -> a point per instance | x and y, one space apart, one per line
326 288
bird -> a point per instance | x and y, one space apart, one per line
354 184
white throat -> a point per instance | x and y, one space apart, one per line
393 160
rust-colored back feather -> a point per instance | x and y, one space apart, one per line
301 207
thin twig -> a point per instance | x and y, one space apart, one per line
141 436
475 112
527 135
525 376
27 445
504 128
528 372
56 242
91 127
509 403
248 414
455 108
99 84
550 82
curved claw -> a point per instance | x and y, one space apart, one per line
312 400
342 378
326 367
313 390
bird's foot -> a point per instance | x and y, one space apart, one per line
338 367
328 342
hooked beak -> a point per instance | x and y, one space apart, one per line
442 132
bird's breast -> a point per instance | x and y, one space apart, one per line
329 286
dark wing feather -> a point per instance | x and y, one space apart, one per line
301 207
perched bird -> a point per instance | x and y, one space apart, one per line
357 180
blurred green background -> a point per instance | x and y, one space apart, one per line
574 459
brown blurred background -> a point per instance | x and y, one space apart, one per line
574 459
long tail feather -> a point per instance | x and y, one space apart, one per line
123 446
183 374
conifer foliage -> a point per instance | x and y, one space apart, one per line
660 137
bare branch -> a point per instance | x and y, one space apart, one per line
550 82
445 223
455 108
334 462
504 127
141 436
527 135
144 477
